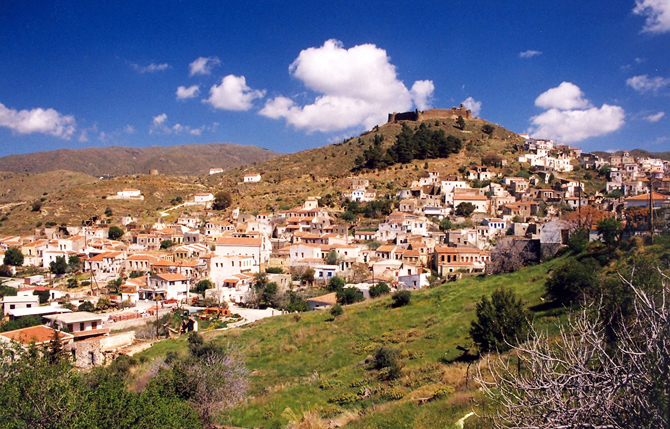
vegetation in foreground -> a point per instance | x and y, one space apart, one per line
372 365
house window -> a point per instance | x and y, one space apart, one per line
70 328
12 306
28 305
94 325
81 326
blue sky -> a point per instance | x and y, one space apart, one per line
295 75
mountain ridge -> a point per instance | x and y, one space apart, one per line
189 159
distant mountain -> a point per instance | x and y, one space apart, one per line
194 159
638 153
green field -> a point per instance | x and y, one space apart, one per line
299 362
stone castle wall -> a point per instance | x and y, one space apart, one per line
434 113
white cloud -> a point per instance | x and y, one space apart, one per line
565 96
422 93
129 129
473 105
529 54
357 87
233 94
83 137
190 92
571 118
644 83
657 13
158 120
44 121
571 126
160 125
655 117
203 65
151 68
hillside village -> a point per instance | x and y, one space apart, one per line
441 227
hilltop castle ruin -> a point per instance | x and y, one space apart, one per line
434 113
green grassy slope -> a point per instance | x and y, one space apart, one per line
291 356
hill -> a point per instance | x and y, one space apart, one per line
637 153
16 187
193 159
286 179
303 363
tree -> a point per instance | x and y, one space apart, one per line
43 296
72 283
573 280
610 229
222 200
507 257
166 244
465 209
446 224
108 212
203 285
58 266
37 206
55 351
296 303
501 322
488 129
336 284
13 257
86 306
349 295
579 239
114 233
401 298
213 378
348 216
103 303
492 159
460 122
332 258
74 263
379 289
308 276
580 380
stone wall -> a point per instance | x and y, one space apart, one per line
433 113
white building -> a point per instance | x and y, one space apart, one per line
252 178
129 193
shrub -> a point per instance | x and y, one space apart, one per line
203 285
274 270
443 391
401 298
360 382
329 384
349 295
500 322
336 284
572 280
387 361
86 306
392 393
13 256
344 398
379 289
336 310
114 233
